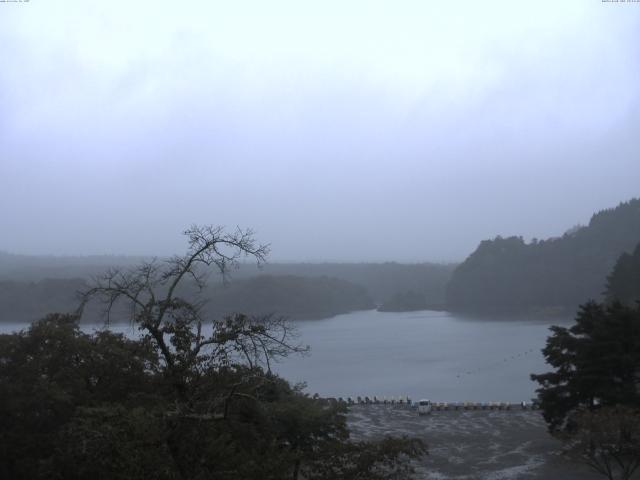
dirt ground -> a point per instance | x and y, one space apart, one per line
466 445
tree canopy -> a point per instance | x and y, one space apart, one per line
623 284
192 397
406 302
596 363
511 274
608 440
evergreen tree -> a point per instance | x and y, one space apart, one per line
623 284
596 363
510 274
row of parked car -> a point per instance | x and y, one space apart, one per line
401 400
426 406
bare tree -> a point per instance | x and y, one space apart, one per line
608 440
152 290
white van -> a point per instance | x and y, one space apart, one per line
424 407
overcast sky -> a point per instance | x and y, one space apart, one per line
338 130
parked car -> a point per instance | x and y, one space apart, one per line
424 407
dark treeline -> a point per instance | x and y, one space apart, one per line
624 282
285 295
32 286
382 280
409 301
29 301
33 268
559 273
288 295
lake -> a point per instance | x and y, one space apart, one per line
437 355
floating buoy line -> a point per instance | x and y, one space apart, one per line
496 364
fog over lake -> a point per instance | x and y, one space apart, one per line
438 355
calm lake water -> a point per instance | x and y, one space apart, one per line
436 355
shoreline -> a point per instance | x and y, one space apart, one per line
473 444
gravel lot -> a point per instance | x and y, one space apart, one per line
464 445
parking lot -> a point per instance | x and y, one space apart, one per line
473 444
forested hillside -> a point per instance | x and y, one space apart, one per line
34 268
382 281
509 274
624 282
30 301
288 295
407 302
285 295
